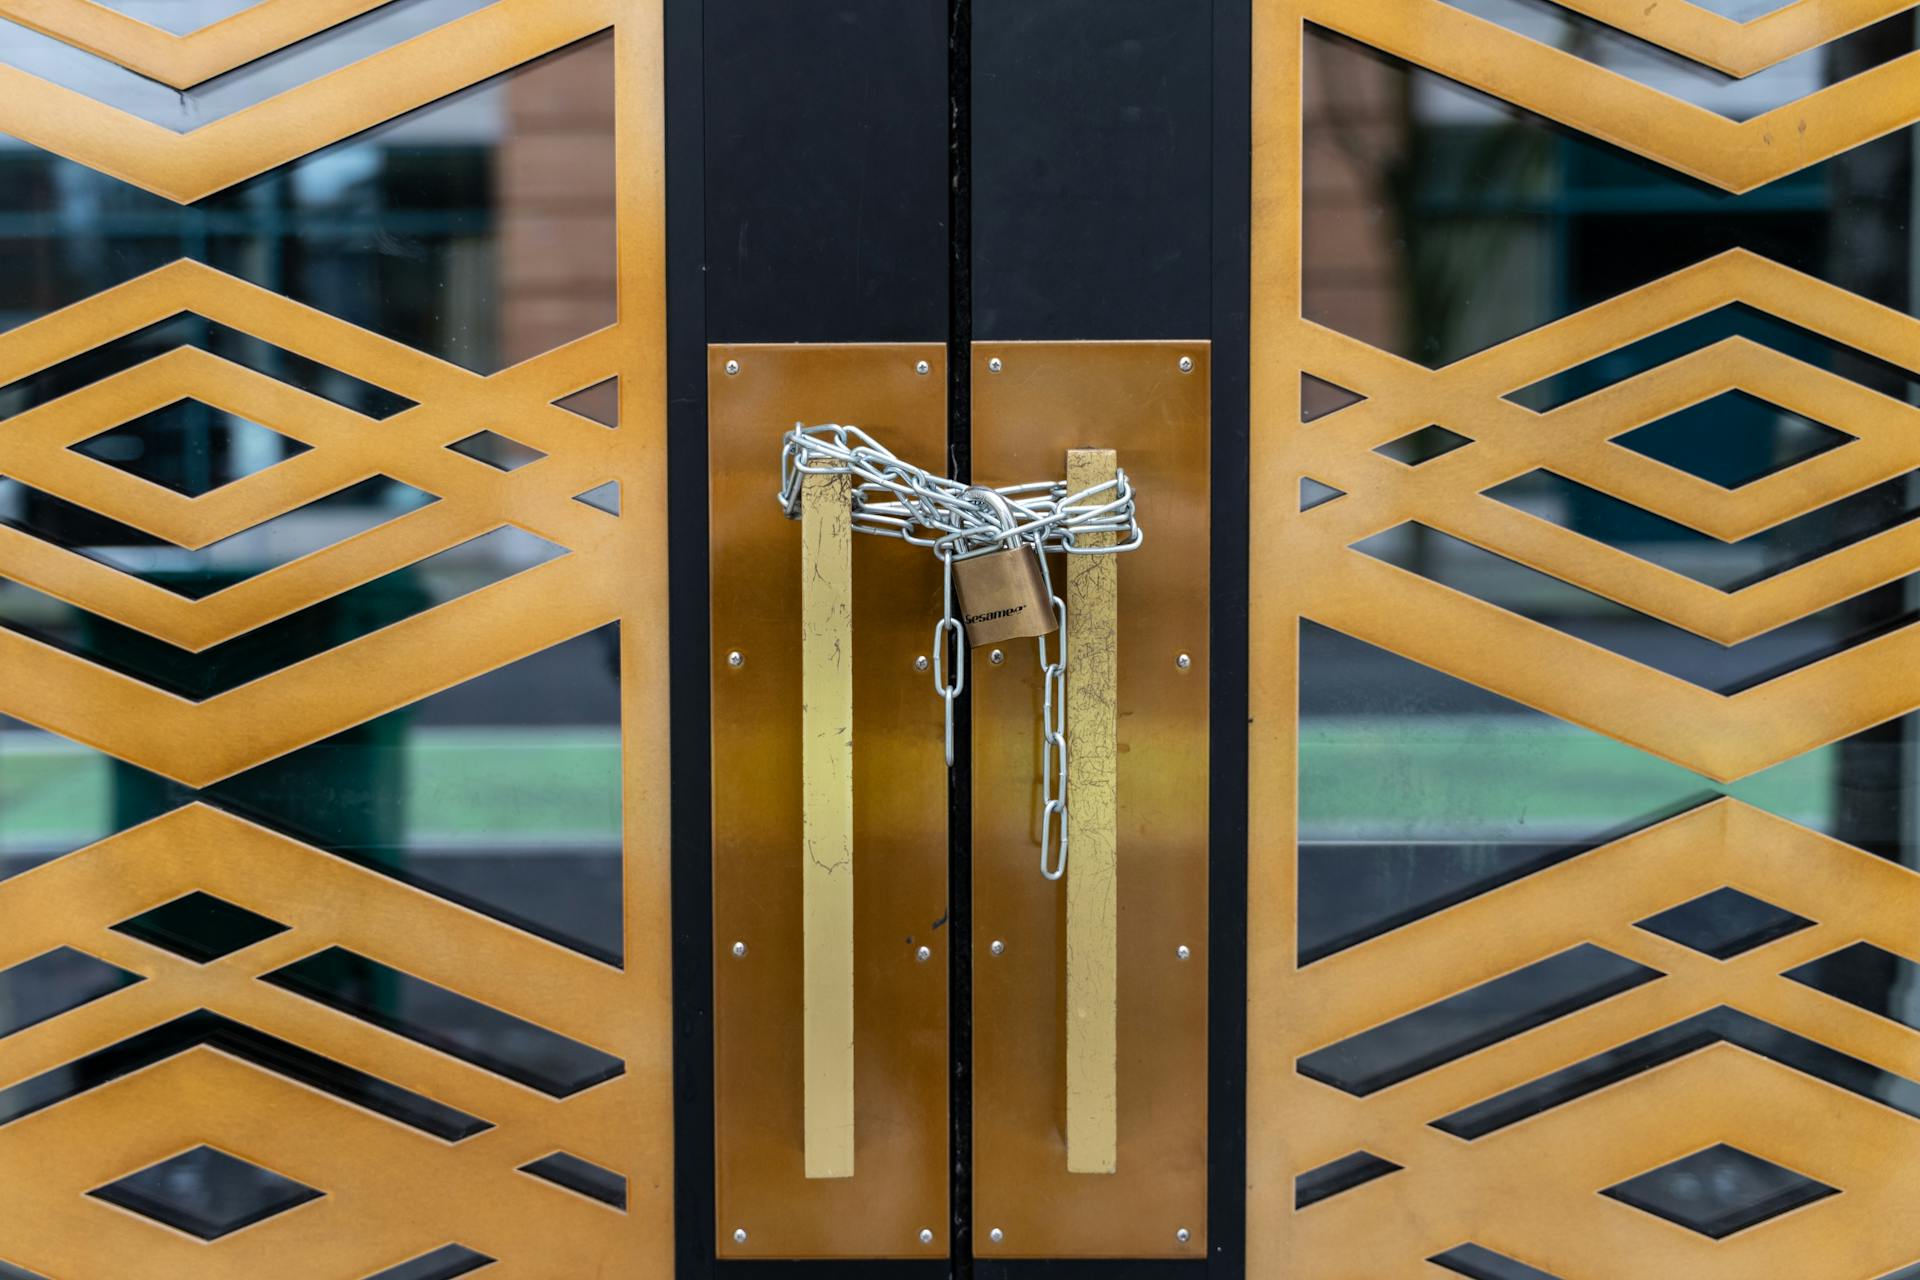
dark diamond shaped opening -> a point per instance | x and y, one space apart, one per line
1423 445
1725 923
497 451
190 447
1719 1191
200 927
206 1193
1733 439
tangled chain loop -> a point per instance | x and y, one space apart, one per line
896 499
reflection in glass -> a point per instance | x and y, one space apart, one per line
1473 1019
190 447
57 982
1720 1191
184 110
1439 221
479 228
1340 1175
442 1264
354 613
1727 669
1477 1263
448 1021
206 1193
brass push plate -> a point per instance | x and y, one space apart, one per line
1032 402
766 1206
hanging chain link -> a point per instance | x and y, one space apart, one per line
896 499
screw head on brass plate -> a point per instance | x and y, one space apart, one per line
993 365
1182 951
996 657
739 948
1183 662
996 1235
920 663
736 659
997 947
926 1235
924 954
1183 1235
1186 364
733 367
739 1235
923 367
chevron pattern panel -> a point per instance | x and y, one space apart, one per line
1619 991
248 1026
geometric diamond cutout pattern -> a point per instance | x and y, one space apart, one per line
1719 1191
1423 445
200 927
1724 923
190 447
496 450
206 1193
1732 439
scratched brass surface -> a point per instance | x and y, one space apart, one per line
1049 398
899 1184
1532 1191
391 1192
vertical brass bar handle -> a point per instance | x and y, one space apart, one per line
1093 952
826 730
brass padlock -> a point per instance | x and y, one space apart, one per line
1003 596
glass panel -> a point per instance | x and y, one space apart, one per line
200 927
1733 439
442 1264
1439 221
448 1021
55 983
190 447
1726 669
1340 1175
1474 1019
181 17
581 1176
218 565
1690 1035
1423 445
1867 977
480 228
1725 923
1484 1264
170 1039
1735 98
503 794
185 110
356 612
1729 566
1720 1191
206 1193
190 330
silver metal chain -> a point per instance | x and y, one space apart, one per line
896 499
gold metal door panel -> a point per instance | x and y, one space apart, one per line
1045 399
898 1188
1581 1027
163 698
